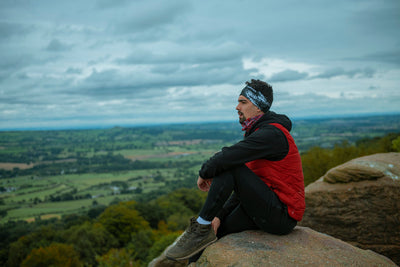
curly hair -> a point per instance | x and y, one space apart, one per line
263 87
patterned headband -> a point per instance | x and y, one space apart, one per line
256 97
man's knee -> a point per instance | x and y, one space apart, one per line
241 173
239 170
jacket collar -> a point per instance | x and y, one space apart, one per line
270 117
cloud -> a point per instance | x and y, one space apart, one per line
145 84
278 70
71 70
56 45
165 52
377 18
9 30
166 69
319 105
288 75
110 83
11 64
143 16
136 61
338 71
11 3
391 57
104 4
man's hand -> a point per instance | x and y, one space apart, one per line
203 184
216 222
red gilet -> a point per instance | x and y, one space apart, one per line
284 177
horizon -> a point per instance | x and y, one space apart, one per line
104 62
166 124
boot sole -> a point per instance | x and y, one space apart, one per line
194 252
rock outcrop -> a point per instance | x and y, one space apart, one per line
359 202
302 247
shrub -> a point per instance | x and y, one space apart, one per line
56 255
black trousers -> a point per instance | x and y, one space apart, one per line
258 207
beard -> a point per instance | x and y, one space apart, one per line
242 118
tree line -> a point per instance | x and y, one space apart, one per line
317 161
130 233
96 164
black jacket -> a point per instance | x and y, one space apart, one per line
262 141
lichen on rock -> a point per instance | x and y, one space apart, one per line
365 168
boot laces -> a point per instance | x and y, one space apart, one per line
188 233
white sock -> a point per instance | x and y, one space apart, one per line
202 221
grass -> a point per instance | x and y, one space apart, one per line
51 209
41 193
20 204
23 204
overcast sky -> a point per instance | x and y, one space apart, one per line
130 62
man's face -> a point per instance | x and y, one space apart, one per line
246 109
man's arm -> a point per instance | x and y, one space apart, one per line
266 143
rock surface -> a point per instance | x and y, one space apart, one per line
302 247
359 202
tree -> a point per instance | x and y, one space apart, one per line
140 244
10 232
151 212
122 220
41 237
396 144
96 211
316 162
182 201
89 240
190 198
160 245
3 213
56 255
117 257
343 152
69 220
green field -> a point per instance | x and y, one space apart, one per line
28 201
53 173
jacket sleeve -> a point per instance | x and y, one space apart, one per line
267 142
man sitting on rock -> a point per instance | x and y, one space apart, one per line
263 171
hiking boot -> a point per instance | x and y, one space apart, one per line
195 238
